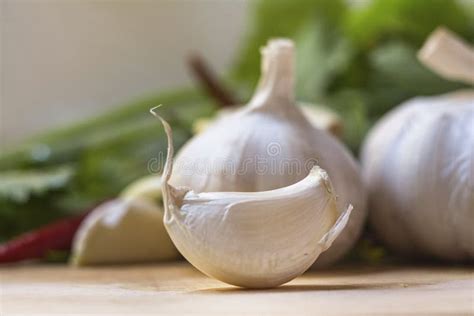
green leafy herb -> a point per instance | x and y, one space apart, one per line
20 185
409 20
280 18
320 41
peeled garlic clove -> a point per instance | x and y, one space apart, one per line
123 231
256 240
319 116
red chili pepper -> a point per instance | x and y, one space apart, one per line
37 243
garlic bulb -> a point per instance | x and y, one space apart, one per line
269 144
319 116
256 239
126 230
418 161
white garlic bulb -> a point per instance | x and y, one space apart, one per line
269 144
418 161
256 239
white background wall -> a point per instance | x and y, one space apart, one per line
66 60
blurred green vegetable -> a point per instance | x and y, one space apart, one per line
280 18
70 169
19 185
68 144
26 198
409 20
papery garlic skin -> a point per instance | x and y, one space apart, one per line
418 162
448 55
270 144
256 239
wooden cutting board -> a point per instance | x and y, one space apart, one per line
177 289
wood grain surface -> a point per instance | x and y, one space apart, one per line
178 289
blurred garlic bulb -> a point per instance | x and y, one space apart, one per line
253 239
128 229
319 116
418 161
269 144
